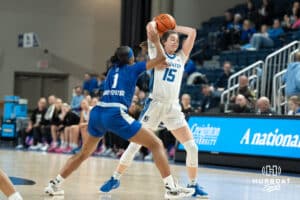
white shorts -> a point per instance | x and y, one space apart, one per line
156 112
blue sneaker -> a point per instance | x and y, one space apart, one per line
110 184
198 191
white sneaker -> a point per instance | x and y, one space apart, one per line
178 192
53 189
36 147
45 147
20 146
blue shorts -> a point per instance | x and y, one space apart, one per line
112 119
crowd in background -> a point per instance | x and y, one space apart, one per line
61 127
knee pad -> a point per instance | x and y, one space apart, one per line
191 153
128 156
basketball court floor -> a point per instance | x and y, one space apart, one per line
142 180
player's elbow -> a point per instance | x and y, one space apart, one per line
193 33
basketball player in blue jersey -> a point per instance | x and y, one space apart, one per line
163 105
111 114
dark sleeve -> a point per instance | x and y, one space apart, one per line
138 68
33 116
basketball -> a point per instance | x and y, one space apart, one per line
164 22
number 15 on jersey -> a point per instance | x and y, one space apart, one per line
169 74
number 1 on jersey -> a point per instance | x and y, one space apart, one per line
116 77
169 75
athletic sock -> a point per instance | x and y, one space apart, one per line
193 182
15 196
169 181
117 175
59 179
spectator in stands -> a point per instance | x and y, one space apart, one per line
296 24
186 107
240 105
228 19
210 101
94 102
90 84
268 37
55 123
290 18
34 126
263 106
245 90
51 108
294 105
265 13
100 85
251 12
232 33
292 77
222 81
76 100
84 118
247 32
69 139
189 68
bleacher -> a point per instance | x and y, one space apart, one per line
204 51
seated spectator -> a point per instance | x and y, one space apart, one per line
251 12
296 24
210 101
265 13
247 32
240 105
186 107
222 81
94 102
231 35
100 85
263 106
294 105
84 118
245 90
276 31
69 140
90 85
228 19
292 77
265 39
55 125
189 68
76 100
34 127
290 18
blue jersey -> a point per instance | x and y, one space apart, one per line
119 86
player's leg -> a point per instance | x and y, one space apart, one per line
72 164
150 119
7 187
148 139
175 121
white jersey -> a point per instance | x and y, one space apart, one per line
165 84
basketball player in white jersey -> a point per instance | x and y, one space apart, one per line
163 105
7 187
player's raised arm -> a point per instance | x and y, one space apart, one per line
188 43
160 58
